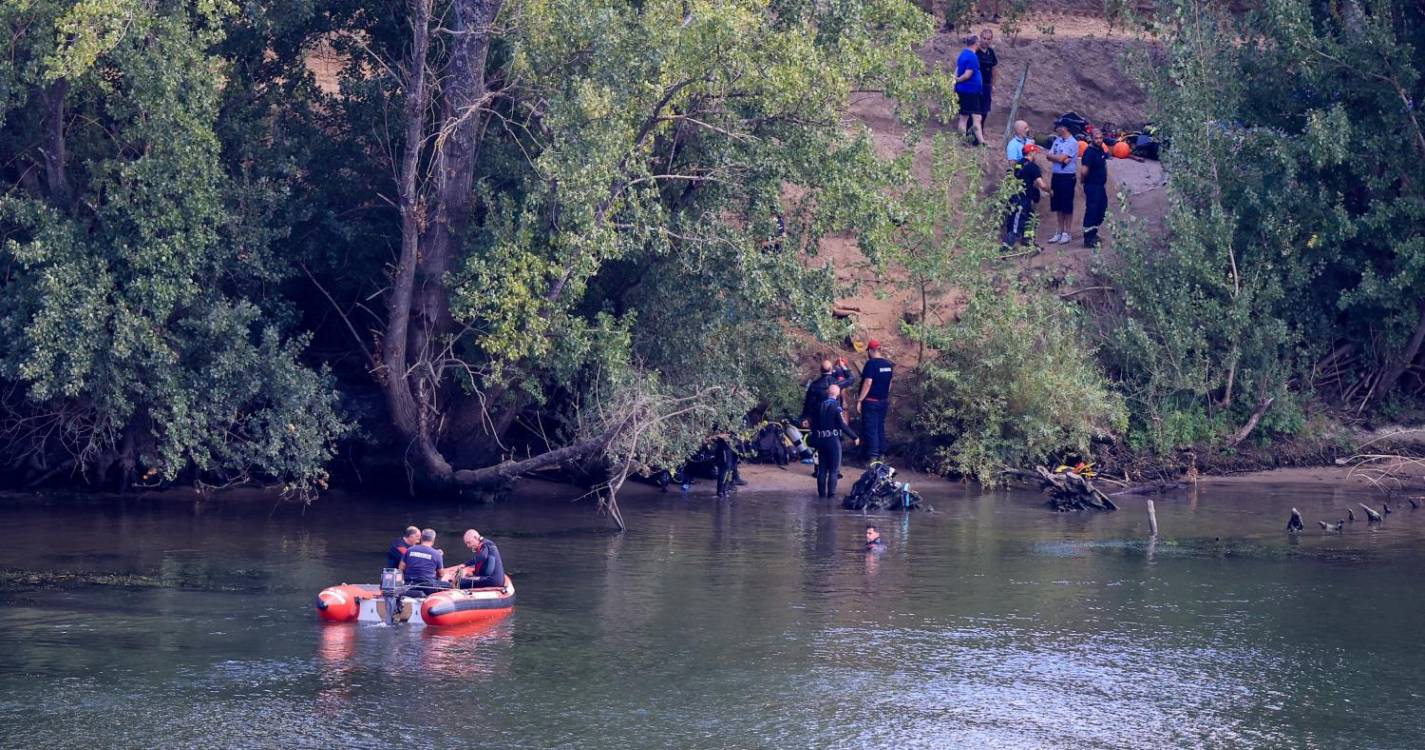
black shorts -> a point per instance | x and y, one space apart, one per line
986 99
1062 201
969 103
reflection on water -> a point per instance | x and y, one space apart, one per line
757 623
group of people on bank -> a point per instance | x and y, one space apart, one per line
824 413
422 564
1073 163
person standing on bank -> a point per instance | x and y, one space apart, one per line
1018 226
1064 153
988 61
826 438
968 85
875 400
1014 149
1093 173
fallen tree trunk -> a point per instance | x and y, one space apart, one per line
1151 488
1067 490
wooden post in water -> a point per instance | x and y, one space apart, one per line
1014 107
1152 518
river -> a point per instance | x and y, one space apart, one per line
754 623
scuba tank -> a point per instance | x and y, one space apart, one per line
798 446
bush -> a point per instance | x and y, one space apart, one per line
1012 384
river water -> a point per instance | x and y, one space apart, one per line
754 623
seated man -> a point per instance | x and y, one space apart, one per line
424 564
485 570
397 552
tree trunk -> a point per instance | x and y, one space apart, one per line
410 417
56 179
1401 363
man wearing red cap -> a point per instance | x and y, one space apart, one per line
1018 225
875 400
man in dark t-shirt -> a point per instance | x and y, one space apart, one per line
1093 175
424 563
484 570
988 61
1019 223
874 401
397 552
816 393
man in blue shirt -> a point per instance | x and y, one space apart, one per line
1064 153
968 85
875 400
424 564
397 552
1014 150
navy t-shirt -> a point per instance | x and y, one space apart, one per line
1028 172
423 563
1095 165
968 60
396 553
879 372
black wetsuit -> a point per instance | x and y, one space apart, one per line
815 394
875 545
826 438
725 465
488 568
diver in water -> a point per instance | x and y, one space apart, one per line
873 540
826 439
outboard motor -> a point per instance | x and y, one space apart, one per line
393 584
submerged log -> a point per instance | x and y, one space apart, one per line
1151 488
1371 515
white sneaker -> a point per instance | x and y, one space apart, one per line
1056 239
1065 239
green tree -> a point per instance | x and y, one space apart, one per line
132 317
1294 264
588 192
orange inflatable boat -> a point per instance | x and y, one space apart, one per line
366 602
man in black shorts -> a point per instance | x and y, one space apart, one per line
1064 153
968 85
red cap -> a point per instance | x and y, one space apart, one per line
1030 148
873 344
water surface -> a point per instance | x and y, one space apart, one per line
755 623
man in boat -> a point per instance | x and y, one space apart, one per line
873 540
423 563
397 552
485 570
